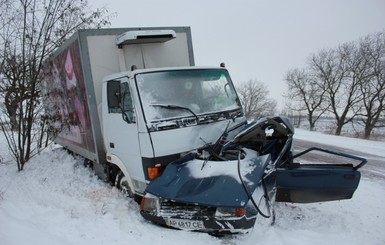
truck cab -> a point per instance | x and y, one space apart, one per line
152 117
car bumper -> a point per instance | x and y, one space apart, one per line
201 218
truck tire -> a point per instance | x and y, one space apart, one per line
121 183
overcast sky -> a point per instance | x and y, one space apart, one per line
257 39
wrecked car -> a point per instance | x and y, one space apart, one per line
221 188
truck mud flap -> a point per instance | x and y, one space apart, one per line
318 182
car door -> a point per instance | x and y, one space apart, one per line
307 183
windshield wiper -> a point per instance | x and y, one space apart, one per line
176 107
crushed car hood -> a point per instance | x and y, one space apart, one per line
256 130
211 183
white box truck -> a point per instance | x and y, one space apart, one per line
74 81
173 136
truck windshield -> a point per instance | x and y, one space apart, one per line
185 93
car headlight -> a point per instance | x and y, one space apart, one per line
150 203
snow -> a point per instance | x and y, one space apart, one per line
368 146
219 168
56 200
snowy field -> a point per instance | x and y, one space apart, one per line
55 200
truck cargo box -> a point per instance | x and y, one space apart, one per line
74 74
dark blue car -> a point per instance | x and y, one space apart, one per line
222 188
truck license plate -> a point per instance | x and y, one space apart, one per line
185 224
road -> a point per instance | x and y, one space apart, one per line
374 168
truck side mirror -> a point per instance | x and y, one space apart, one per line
113 94
128 116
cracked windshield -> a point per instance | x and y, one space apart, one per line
185 93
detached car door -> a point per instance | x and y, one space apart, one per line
307 183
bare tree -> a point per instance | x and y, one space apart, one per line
333 68
31 30
348 80
372 50
254 99
306 94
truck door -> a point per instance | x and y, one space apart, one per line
307 183
120 127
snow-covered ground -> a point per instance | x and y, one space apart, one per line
367 146
55 200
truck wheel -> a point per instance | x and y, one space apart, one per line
121 182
